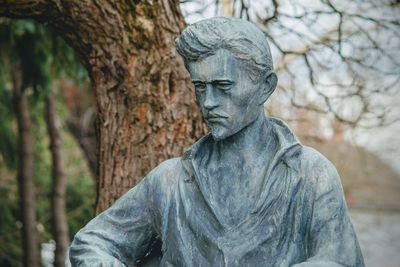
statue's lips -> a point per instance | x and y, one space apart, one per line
216 118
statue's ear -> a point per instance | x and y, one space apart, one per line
269 86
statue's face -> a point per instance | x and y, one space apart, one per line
228 98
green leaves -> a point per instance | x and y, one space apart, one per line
42 56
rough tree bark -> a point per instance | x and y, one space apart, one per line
59 217
26 186
144 98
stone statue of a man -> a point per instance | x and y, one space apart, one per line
246 194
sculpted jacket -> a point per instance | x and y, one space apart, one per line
170 218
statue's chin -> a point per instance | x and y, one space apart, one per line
220 135
217 136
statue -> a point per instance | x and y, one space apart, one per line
246 194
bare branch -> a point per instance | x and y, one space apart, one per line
275 12
41 10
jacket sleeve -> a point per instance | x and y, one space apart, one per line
120 236
331 239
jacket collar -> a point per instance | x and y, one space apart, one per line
284 137
279 129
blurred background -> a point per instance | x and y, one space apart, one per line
338 64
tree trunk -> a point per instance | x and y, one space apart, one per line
59 218
146 109
26 186
144 98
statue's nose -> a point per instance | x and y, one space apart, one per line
211 99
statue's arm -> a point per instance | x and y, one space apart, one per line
119 236
331 237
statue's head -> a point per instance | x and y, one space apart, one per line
230 64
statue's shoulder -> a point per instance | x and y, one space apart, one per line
313 159
316 170
166 174
167 167
310 156
304 159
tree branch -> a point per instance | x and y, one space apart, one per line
40 10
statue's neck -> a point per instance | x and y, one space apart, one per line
235 167
251 138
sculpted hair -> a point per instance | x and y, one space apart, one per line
243 39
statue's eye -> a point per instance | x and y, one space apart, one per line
223 85
199 86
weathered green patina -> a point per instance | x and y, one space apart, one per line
246 194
